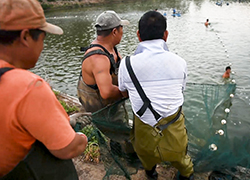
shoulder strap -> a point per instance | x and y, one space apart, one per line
98 51
100 46
4 70
113 65
146 101
117 64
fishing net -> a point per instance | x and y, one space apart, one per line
110 128
216 120
218 126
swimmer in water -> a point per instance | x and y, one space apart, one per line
207 23
227 72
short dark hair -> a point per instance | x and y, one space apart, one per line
228 67
152 25
105 33
8 37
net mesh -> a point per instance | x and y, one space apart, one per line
216 120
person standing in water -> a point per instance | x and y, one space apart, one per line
227 72
207 23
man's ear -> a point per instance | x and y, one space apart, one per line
138 35
24 37
114 31
165 35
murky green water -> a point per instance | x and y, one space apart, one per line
207 50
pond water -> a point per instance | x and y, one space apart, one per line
207 50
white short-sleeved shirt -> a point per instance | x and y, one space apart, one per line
162 75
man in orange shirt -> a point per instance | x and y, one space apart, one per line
31 118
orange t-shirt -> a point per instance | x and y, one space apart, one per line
29 111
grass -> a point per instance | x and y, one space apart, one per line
69 107
92 151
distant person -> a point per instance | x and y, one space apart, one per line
156 9
155 80
36 139
97 84
174 11
227 72
207 23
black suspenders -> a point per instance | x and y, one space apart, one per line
146 101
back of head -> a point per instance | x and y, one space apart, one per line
17 15
152 25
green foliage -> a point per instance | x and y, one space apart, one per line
56 92
89 132
92 151
68 108
46 6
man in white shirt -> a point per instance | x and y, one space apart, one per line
155 79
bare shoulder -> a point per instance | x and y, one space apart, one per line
96 62
97 59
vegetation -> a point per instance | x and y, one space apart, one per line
62 4
69 109
92 152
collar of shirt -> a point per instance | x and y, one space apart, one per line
151 45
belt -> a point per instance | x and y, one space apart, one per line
160 128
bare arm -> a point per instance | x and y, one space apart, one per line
75 148
101 73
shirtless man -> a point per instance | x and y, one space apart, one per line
97 85
227 72
207 23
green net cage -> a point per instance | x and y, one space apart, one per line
217 124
